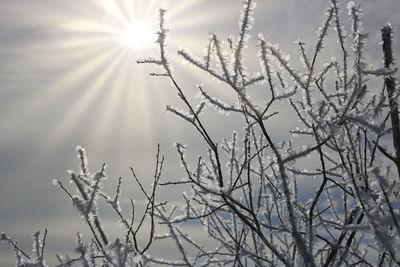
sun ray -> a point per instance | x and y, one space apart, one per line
110 113
137 110
179 8
149 9
129 8
78 110
90 64
84 65
107 92
114 12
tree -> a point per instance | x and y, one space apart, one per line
251 207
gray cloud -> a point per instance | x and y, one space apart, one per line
38 50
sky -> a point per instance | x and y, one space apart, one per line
68 78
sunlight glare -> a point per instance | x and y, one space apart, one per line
137 35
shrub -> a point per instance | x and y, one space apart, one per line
245 191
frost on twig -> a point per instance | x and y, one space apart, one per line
314 188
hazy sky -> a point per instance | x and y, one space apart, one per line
66 78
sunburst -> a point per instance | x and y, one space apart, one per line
137 35
100 45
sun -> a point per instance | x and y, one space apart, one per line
137 35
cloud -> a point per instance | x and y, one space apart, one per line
47 70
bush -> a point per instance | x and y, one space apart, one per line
245 191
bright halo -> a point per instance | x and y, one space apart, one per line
137 35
